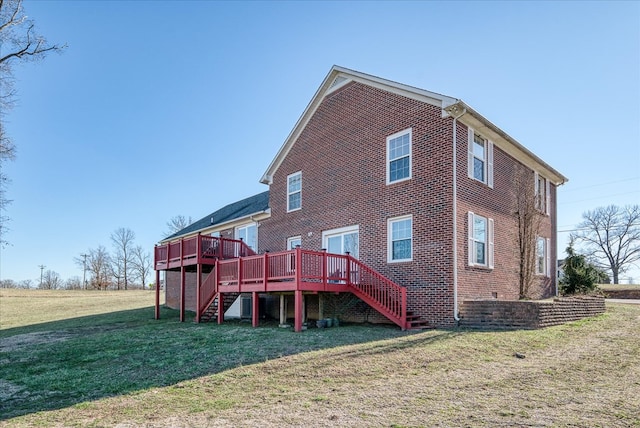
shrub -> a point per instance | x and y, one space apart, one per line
579 276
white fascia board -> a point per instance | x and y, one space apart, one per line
508 144
257 216
325 89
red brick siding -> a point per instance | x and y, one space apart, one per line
342 156
497 203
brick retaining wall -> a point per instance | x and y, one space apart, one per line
525 314
622 294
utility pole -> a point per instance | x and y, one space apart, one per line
41 269
84 270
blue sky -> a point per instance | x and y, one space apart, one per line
174 107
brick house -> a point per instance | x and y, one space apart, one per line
417 187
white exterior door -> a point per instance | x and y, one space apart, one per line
342 240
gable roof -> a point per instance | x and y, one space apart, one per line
340 76
237 210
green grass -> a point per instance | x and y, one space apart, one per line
607 287
125 368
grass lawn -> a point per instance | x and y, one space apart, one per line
608 287
99 359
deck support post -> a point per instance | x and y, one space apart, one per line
198 285
157 314
283 309
320 306
220 308
297 323
182 293
255 310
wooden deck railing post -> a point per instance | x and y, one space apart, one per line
324 268
298 292
239 274
265 270
199 248
404 308
348 268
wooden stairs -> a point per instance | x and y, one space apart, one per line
415 322
211 313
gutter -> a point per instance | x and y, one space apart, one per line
455 210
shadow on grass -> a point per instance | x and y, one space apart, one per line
59 364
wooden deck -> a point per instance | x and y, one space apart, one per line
237 269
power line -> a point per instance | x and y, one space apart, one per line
562 189
599 197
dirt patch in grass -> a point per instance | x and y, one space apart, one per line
15 343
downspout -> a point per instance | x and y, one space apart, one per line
455 217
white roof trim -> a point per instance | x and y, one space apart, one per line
450 106
249 218
327 87
504 141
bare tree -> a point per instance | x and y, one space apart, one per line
20 43
527 218
141 263
176 224
73 283
611 237
122 240
8 283
98 263
51 280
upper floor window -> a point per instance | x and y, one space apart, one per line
400 239
542 189
542 256
480 162
399 156
480 241
294 191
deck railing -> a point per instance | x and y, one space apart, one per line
207 291
319 271
199 249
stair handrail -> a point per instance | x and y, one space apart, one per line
389 298
208 290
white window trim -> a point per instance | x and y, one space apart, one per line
545 206
488 161
292 239
546 271
489 245
391 137
326 234
244 226
289 193
390 221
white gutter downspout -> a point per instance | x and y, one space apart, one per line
455 217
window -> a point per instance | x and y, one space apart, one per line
293 242
480 162
340 241
294 191
542 256
399 157
480 241
249 234
400 239
542 189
